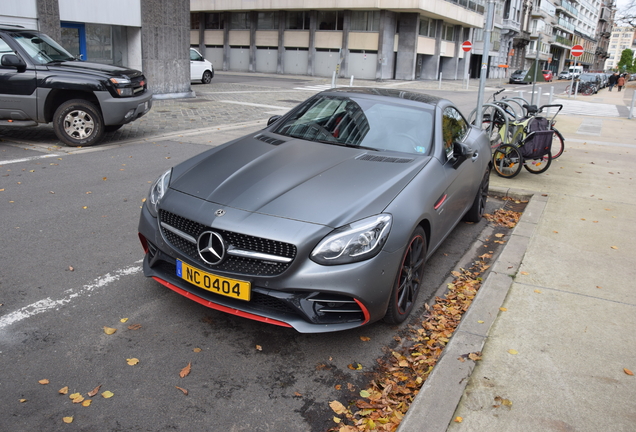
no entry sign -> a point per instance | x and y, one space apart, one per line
467 46
576 50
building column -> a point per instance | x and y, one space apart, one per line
226 40
313 18
202 33
48 12
253 24
344 51
386 45
431 66
407 46
280 66
165 45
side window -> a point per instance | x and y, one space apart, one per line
4 48
454 129
195 56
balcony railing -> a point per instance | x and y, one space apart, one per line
569 8
563 41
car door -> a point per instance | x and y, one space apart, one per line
197 65
18 99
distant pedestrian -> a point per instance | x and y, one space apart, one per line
612 80
620 82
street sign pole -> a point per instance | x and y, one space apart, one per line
484 62
536 69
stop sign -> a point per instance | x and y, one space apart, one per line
467 46
576 50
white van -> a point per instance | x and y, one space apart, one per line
576 71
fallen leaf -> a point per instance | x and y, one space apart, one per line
197 350
513 351
337 407
537 291
458 419
109 330
338 386
258 347
134 327
132 361
503 309
78 399
74 395
628 372
185 392
525 273
108 394
63 390
94 391
556 232
186 370
104 178
85 207
297 394
506 402
70 268
476 356
364 394
365 338
499 235
67 419
44 381
123 320
480 322
356 366
23 400
336 420
87 402
614 247
599 287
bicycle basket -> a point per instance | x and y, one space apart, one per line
539 139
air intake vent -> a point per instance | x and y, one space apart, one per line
269 140
374 158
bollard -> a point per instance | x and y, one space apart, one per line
539 96
440 81
333 80
631 107
550 98
351 82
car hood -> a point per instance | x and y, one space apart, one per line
300 180
96 68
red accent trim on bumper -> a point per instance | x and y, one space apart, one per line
364 311
221 308
144 242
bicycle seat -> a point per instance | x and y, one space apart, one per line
531 109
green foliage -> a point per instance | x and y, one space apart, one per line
626 63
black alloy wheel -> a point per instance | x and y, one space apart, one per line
408 280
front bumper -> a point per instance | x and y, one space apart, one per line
306 296
118 111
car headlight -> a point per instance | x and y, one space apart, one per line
354 242
157 191
120 83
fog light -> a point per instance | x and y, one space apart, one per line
129 114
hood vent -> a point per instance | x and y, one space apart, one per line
269 140
374 158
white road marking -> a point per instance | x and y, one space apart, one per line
47 304
11 161
579 107
255 105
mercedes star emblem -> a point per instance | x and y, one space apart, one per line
211 247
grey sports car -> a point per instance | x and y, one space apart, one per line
323 220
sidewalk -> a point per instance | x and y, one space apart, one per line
554 357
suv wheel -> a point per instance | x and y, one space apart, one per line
78 123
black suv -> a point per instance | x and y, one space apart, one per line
40 82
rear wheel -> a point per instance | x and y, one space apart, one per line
408 280
558 144
539 165
479 204
78 122
507 160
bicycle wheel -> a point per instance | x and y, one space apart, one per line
539 165
492 130
507 160
587 90
568 89
558 144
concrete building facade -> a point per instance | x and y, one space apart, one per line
150 35
622 38
368 39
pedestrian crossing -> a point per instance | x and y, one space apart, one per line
579 107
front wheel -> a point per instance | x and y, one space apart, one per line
408 280
507 160
207 77
78 122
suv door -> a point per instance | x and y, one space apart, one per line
18 100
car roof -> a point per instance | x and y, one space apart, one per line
384 92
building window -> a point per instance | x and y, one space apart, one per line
214 21
330 20
194 20
267 21
449 32
240 21
297 20
427 27
365 21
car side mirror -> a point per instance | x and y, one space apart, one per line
273 119
12 60
461 152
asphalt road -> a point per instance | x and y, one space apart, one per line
70 266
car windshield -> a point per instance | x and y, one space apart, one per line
361 122
41 48
587 77
520 72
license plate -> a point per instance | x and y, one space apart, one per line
228 287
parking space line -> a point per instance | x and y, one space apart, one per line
12 161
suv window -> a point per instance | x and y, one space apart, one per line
4 48
454 129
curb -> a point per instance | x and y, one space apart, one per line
433 408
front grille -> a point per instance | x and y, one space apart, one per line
232 264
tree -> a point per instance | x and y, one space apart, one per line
625 64
627 14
